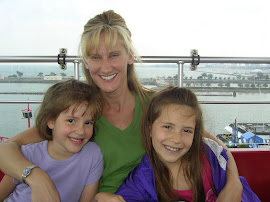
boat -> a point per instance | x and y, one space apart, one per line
252 135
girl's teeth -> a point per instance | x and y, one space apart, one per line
76 140
171 148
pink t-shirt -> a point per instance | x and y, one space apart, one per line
207 181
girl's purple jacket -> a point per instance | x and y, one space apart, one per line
140 183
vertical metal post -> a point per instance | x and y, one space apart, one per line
76 69
180 73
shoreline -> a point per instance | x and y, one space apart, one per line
195 89
34 80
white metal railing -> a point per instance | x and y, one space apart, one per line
147 59
194 60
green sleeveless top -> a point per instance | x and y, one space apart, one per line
122 149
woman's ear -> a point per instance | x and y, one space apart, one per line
51 124
86 65
130 59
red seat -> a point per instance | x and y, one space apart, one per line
1 175
254 165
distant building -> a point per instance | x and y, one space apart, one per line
2 77
82 78
52 78
161 81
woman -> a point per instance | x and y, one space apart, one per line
108 63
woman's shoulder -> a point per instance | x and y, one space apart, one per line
145 95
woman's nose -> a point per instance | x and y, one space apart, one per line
105 64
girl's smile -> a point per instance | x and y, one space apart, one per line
71 130
172 149
172 133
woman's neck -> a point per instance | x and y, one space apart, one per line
117 100
119 108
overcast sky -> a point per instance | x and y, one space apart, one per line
165 27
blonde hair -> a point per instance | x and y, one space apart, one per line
114 27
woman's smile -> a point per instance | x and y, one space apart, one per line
107 78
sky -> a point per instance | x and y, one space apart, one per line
227 28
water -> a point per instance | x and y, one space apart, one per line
216 116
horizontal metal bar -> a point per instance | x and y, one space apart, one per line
35 59
201 102
20 101
234 102
176 59
145 59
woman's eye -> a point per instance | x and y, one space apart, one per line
94 57
113 55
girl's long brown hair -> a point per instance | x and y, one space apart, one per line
191 160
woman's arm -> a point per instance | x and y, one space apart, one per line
6 187
12 163
233 188
26 137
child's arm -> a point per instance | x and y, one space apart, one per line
89 192
6 187
233 188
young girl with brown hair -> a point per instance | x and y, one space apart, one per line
65 120
179 163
